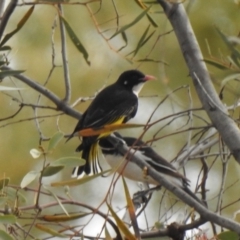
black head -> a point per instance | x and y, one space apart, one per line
133 80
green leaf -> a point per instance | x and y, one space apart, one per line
57 199
64 218
3 200
19 26
50 231
138 18
29 178
131 210
216 64
8 219
124 36
69 162
5 48
107 234
152 21
76 182
235 54
13 194
124 229
51 170
8 73
75 40
4 182
56 138
5 236
143 40
228 235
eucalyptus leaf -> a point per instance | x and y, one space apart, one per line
29 178
137 19
75 40
4 182
50 231
56 138
51 170
69 162
13 194
5 236
76 182
228 235
8 219
19 26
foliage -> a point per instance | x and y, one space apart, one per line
44 205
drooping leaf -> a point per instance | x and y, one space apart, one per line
154 24
69 162
76 40
63 218
76 182
131 210
137 19
19 26
8 73
107 234
123 228
141 4
29 178
235 53
141 40
3 200
51 170
35 153
124 36
216 64
4 182
151 60
5 48
228 235
55 139
13 194
57 199
8 219
50 231
5 236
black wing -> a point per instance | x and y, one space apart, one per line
109 106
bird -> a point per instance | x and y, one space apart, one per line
115 104
127 168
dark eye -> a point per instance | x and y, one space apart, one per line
125 83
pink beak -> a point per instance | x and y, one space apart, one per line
149 77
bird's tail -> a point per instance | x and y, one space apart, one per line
90 153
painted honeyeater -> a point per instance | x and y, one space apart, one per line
115 104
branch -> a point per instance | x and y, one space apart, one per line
216 111
206 215
2 5
61 105
8 12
